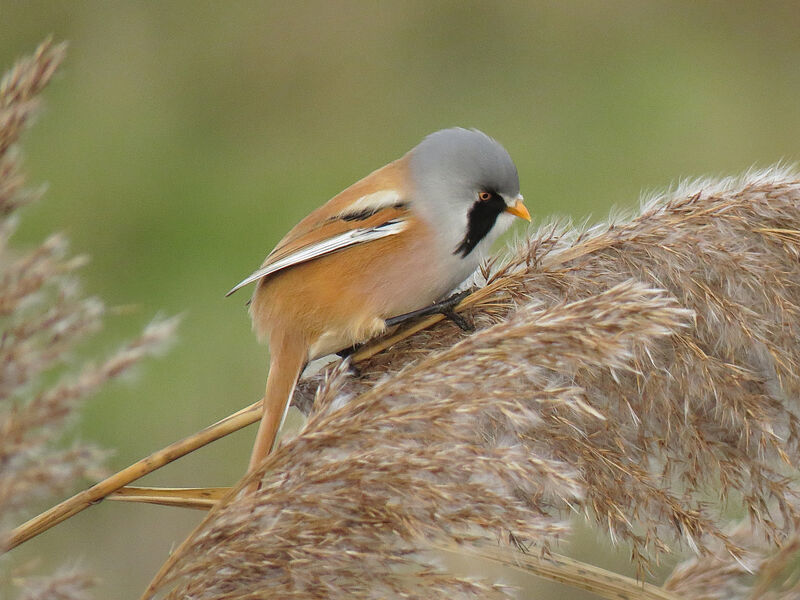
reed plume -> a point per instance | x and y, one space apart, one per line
625 372
764 572
44 316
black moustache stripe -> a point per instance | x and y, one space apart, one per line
480 220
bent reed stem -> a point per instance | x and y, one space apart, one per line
230 424
97 492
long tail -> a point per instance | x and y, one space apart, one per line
285 366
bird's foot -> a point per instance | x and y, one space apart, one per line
445 307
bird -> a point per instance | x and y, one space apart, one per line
394 244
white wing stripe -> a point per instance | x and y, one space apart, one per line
337 242
371 202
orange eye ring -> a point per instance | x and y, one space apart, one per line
484 196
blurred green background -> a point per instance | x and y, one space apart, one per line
182 139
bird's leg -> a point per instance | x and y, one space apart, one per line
445 307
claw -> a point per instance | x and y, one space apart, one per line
463 322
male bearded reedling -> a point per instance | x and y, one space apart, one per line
398 240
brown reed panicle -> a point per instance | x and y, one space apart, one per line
764 573
44 316
626 372
344 508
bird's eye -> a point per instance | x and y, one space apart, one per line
484 196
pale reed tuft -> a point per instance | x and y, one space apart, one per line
624 372
763 573
44 316
434 453
65 584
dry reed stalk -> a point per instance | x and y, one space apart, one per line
116 486
197 498
44 316
86 498
562 569
581 391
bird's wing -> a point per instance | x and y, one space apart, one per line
315 237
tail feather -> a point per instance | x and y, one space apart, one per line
287 362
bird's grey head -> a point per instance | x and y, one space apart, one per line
465 182
466 161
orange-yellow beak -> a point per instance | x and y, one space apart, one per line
519 210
